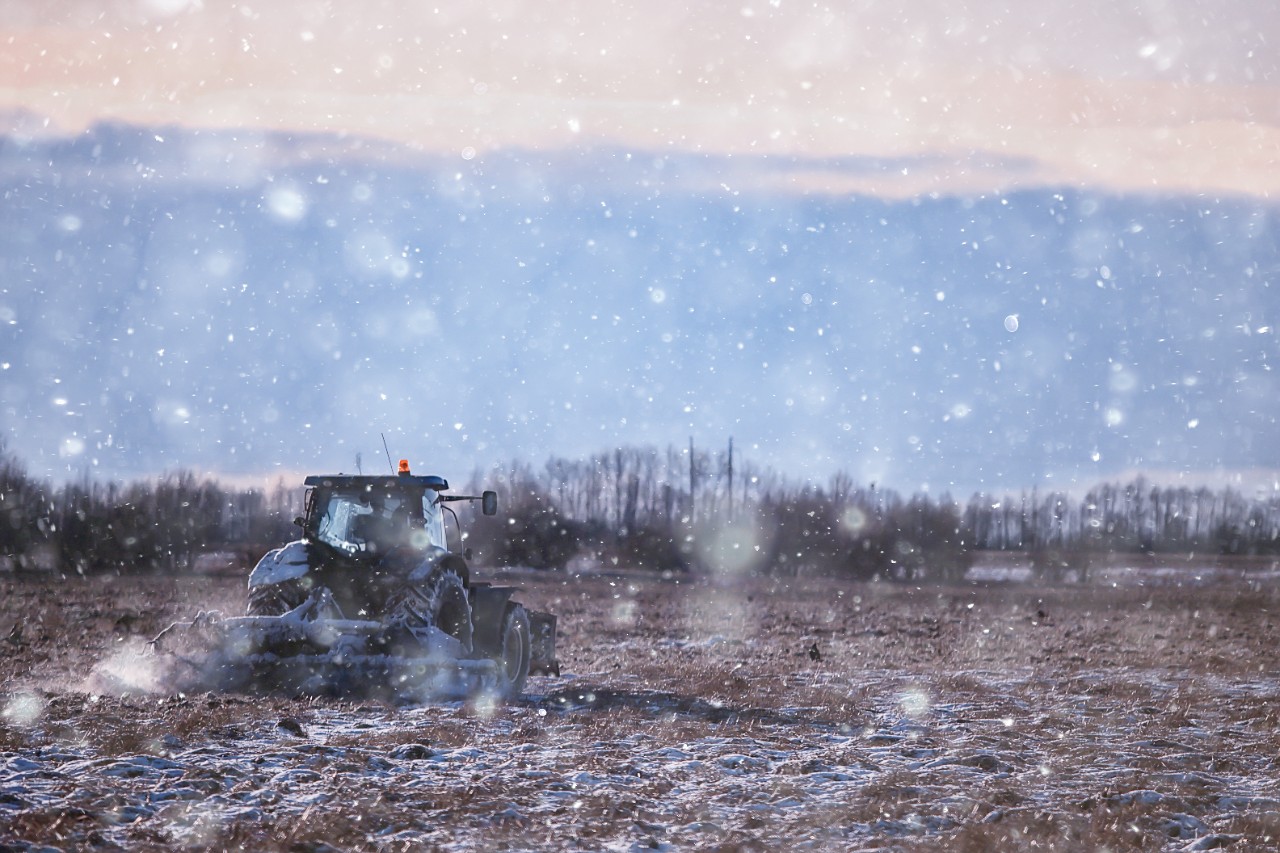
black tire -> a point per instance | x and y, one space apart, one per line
276 599
514 652
440 602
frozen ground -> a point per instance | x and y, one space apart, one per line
693 715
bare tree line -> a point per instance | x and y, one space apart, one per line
672 508
90 527
678 508
1137 516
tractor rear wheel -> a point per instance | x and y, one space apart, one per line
514 652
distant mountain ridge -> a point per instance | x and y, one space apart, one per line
238 302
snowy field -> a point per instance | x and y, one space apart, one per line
739 714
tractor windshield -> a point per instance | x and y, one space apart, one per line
366 521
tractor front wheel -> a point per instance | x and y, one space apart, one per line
441 602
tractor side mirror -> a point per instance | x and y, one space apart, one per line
489 503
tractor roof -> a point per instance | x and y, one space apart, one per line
388 481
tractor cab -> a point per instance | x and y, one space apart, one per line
369 516
363 516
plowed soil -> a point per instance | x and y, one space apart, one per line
692 714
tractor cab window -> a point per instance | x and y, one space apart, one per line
362 521
433 518
373 521
342 521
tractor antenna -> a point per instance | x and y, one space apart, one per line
388 449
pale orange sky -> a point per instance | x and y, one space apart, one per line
1155 95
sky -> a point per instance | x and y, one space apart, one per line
529 110
956 97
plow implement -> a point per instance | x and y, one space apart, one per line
313 650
